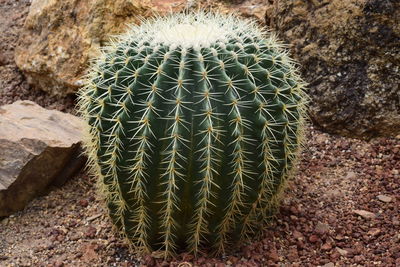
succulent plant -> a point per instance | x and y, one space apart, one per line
194 125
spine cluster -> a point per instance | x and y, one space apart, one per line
193 144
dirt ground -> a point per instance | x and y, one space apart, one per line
342 208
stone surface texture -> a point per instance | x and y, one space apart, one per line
60 37
38 148
350 55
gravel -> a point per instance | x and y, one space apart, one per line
317 224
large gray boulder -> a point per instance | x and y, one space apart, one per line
38 148
350 55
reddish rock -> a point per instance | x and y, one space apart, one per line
326 246
298 235
83 203
374 232
358 258
365 214
89 253
321 228
293 255
149 261
90 232
313 238
233 259
273 255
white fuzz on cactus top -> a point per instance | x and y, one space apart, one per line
190 35
195 30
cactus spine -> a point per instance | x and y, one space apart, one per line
194 124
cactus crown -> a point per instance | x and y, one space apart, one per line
194 123
195 30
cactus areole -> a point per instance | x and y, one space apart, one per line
194 124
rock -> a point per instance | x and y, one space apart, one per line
89 253
358 258
254 11
384 198
293 255
297 235
350 175
149 261
321 228
90 232
313 238
60 36
329 264
83 202
339 237
342 252
349 55
273 255
75 236
233 259
365 214
38 148
321 138
326 246
164 6
94 217
374 232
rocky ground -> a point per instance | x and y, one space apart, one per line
342 208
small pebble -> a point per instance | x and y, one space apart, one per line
374 232
83 202
313 238
342 252
365 214
326 246
384 198
321 228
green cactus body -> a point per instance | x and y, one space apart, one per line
194 124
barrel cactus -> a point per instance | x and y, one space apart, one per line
194 124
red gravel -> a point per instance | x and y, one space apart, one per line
317 224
